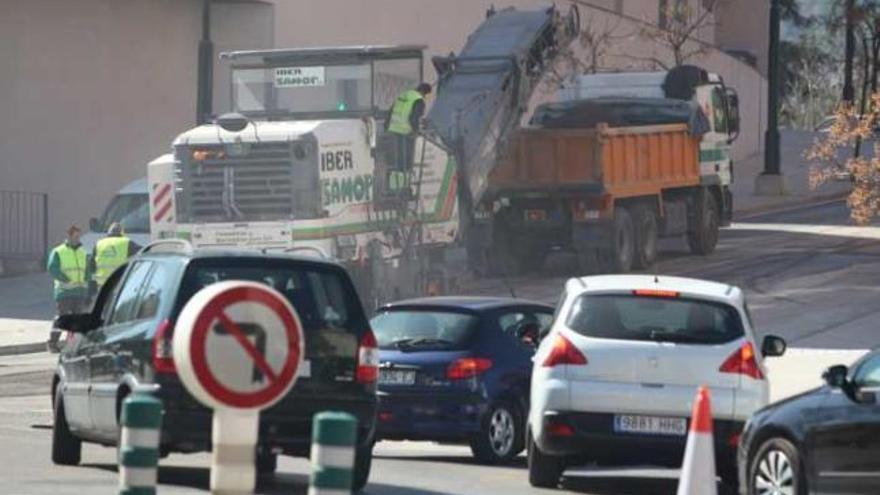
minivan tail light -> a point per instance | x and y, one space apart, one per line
564 352
163 357
743 362
464 368
368 359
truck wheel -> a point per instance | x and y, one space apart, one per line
705 223
619 258
646 234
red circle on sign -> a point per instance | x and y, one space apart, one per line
210 313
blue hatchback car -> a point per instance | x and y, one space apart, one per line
457 369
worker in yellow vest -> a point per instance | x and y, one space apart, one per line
112 252
68 266
404 122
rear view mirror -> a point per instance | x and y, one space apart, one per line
835 376
773 346
75 323
733 121
93 225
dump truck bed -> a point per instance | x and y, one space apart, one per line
622 161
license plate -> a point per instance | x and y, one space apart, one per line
397 377
536 215
654 425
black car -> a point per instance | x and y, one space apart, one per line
125 342
457 369
824 441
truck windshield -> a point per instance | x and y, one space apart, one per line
131 210
315 89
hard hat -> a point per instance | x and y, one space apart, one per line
115 229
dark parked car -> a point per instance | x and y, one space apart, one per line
826 440
125 342
457 369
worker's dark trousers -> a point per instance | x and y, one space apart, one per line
405 145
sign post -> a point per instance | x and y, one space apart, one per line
237 348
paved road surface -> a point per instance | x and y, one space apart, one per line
804 280
817 290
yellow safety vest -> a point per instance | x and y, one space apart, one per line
402 110
73 266
110 254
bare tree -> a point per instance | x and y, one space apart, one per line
831 158
676 31
812 87
587 54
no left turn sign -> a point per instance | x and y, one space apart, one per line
238 345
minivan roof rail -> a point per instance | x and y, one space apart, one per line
168 246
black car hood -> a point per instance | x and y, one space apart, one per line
793 401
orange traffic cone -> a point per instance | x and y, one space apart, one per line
698 468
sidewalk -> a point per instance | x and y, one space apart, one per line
26 312
796 170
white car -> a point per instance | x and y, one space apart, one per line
615 377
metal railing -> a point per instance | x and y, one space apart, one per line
24 225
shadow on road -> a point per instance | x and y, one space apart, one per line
608 485
519 462
281 484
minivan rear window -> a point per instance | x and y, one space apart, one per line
322 298
423 330
662 319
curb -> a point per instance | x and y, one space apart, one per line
783 206
11 350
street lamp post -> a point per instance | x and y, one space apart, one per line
771 182
205 83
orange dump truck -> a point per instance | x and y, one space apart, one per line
605 193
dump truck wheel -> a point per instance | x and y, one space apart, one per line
646 234
705 224
620 258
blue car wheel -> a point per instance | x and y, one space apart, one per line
501 437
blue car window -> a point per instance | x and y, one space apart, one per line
419 330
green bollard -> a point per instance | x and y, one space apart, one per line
333 443
141 421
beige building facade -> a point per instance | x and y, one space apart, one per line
94 89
